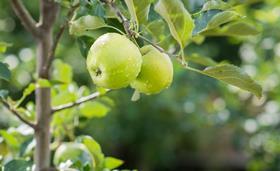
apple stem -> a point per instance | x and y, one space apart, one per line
136 96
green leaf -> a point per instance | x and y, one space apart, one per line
222 18
31 87
18 165
3 46
90 7
4 72
142 10
203 19
178 19
94 148
212 19
112 163
83 25
215 4
64 95
10 139
62 72
160 33
238 28
26 147
132 12
43 83
139 10
90 143
27 91
201 60
84 44
102 90
232 75
198 39
94 109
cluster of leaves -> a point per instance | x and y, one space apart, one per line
19 143
153 19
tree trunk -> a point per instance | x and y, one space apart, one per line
42 32
43 107
49 10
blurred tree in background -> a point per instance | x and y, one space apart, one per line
198 123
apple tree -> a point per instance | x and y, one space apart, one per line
126 44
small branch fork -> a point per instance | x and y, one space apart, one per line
130 33
54 109
126 25
30 24
59 35
78 102
18 115
35 29
26 19
122 18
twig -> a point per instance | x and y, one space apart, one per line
26 19
14 112
156 46
134 34
59 35
48 14
127 28
152 43
78 102
122 18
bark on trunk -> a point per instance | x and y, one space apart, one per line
43 107
49 10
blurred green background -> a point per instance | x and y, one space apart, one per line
197 124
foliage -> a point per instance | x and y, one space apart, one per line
195 106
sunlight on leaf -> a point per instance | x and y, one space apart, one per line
178 19
4 46
10 139
232 75
215 4
82 25
132 11
94 148
27 91
238 28
235 76
93 109
202 60
112 163
62 72
222 18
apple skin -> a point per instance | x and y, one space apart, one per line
74 152
113 61
156 71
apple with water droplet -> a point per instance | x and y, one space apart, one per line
113 61
156 72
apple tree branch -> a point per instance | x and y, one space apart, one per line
26 19
78 102
18 115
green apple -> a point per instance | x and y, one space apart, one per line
113 61
156 71
75 152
